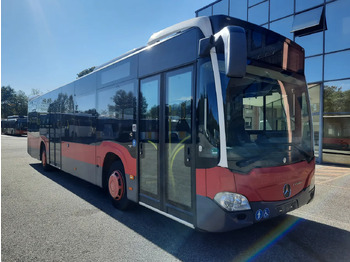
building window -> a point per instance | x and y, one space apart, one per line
280 8
313 69
337 66
205 11
313 44
336 97
309 22
336 139
283 27
301 5
238 9
254 2
336 122
338 33
259 14
314 94
221 8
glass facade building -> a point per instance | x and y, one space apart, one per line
322 28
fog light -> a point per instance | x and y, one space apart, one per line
232 201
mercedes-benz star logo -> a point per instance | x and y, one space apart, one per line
286 190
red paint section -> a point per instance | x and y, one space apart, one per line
33 141
81 152
201 182
219 179
128 161
261 184
266 184
86 153
211 181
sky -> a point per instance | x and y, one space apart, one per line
46 43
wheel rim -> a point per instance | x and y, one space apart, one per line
116 185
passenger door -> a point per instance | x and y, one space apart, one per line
55 139
149 141
165 158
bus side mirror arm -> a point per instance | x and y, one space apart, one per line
205 45
234 41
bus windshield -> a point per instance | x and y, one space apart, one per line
267 119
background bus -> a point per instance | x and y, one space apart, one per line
14 125
209 124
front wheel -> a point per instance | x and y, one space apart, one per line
117 186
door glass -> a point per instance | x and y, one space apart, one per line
55 134
178 138
55 139
149 136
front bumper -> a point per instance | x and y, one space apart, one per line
212 218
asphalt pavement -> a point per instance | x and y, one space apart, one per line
53 216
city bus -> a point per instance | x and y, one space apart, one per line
208 124
14 125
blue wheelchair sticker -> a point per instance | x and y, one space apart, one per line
259 215
266 213
134 142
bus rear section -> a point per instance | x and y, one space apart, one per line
14 125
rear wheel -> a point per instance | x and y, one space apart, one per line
116 186
44 162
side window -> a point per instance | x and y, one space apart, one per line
67 108
179 105
84 118
116 111
207 117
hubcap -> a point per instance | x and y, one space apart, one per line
116 185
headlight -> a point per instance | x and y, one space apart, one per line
232 201
312 182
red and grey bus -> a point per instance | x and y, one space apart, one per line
14 125
209 124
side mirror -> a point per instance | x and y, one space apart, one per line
234 42
235 50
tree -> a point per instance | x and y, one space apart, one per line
336 100
21 103
13 103
143 106
8 101
35 92
123 101
153 112
85 72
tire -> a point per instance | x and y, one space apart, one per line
44 163
116 186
